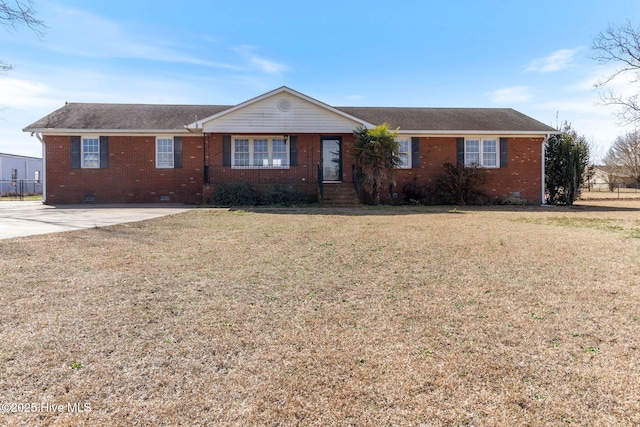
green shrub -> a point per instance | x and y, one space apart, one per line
285 195
513 201
235 194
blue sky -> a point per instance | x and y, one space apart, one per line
529 55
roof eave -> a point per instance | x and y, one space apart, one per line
67 131
476 132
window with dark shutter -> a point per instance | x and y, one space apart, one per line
460 151
293 150
104 152
226 150
415 152
177 152
75 152
504 154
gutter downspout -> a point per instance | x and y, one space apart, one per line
44 167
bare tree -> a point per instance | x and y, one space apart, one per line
15 13
625 154
612 170
620 45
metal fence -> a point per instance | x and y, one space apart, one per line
20 187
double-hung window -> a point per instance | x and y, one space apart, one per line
404 152
481 152
241 152
490 153
90 154
260 152
164 152
279 153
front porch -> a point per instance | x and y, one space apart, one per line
299 179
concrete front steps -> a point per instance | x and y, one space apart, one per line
339 194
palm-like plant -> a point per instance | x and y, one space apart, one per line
376 152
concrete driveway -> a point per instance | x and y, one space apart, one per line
28 217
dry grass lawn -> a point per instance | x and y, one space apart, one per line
391 316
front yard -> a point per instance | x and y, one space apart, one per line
378 316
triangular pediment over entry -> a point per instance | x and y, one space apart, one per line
280 111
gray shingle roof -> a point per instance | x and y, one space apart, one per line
449 119
154 117
125 116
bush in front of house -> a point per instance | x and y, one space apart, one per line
513 201
462 185
244 194
284 195
235 194
417 194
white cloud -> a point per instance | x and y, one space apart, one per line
96 37
595 121
558 60
24 94
261 64
511 95
575 106
593 75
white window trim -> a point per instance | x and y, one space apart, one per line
409 152
82 163
173 150
481 140
270 158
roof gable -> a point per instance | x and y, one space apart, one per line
281 110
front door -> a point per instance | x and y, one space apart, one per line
331 159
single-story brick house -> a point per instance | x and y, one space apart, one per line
124 153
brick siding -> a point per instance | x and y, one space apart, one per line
132 176
522 174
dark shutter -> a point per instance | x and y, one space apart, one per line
177 152
415 152
226 150
460 151
293 150
75 152
104 152
504 158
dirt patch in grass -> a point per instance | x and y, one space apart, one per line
403 316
